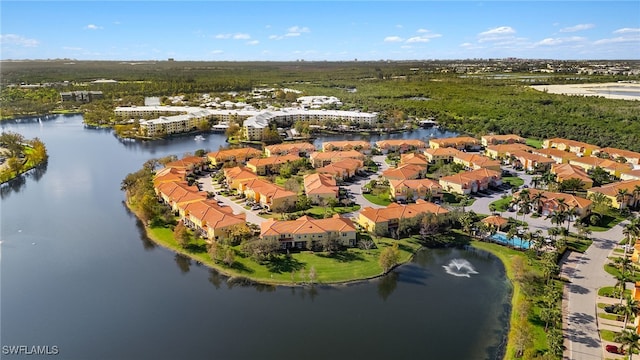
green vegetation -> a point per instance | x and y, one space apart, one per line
342 266
514 181
19 155
381 199
535 303
536 143
467 104
501 205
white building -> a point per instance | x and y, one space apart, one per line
177 119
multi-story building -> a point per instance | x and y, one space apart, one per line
307 232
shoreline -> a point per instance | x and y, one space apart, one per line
230 275
591 90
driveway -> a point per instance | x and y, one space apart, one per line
252 217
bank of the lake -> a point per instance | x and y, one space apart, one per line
346 266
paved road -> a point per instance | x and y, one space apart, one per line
252 216
586 275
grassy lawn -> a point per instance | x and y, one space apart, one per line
502 204
609 268
608 291
456 199
612 317
608 335
506 255
514 181
534 143
607 221
319 211
578 245
347 265
382 200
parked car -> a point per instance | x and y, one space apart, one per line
614 349
256 207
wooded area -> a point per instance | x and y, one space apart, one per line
475 104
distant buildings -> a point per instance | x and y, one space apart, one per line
81 96
255 123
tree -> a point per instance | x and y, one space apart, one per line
389 257
571 185
330 243
303 203
181 235
549 265
629 340
538 201
261 249
292 185
630 309
366 243
622 198
229 256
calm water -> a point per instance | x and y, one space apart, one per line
78 273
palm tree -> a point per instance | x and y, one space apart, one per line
636 195
557 217
570 214
629 340
622 197
630 309
511 234
538 201
621 281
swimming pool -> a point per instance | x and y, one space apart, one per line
515 241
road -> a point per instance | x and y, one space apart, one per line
252 216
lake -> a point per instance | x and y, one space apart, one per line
78 273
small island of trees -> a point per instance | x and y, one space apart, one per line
19 155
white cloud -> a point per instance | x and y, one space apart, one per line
579 27
499 31
236 36
293 31
500 34
422 31
253 42
559 41
627 31
619 39
298 29
399 26
13 39
93 27
423 38
418 39
215 52
393 39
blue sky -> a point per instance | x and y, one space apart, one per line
319 30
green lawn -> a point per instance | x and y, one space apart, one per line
502 204
534 143
347 265
578 245
514 181
609 268
608 335
607 221
378 200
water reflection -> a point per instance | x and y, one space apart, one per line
16 184
387 284
183 262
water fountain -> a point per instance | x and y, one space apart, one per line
459 267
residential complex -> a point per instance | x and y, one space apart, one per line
307 232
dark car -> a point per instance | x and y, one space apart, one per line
614 349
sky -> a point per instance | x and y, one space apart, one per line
319 30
